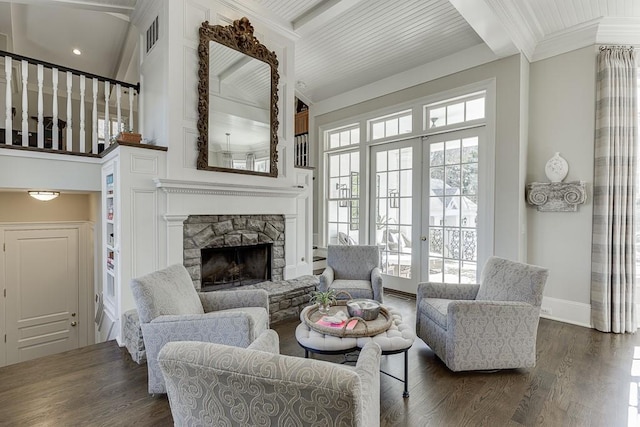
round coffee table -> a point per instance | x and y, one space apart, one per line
397 339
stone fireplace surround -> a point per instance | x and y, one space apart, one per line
217 231
286 297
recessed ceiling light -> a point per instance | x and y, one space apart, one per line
77 51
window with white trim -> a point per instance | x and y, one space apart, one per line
455 111
391 125
343 137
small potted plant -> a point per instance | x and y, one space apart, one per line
324 300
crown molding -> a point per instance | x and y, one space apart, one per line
573 38
619 30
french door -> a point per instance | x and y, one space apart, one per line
395 210
425 197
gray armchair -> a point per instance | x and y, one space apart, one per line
492 325
212 384
354 269
170 309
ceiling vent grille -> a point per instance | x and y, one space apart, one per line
153 33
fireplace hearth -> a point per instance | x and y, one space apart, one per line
230 267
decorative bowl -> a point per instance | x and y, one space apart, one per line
367 309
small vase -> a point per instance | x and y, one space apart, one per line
556 168
324 308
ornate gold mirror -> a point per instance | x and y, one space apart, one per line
237 101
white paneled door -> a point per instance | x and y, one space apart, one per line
42 277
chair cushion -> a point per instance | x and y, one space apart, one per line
356 288
259 315
435 309
165 292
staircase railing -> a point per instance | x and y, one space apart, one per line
83 93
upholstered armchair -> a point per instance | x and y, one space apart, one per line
354 269
213 384
170 309
491 325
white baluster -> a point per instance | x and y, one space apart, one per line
118 108
131 92
82 106
107 130
8 121
94 118
69 112
54 129
25 104
40 107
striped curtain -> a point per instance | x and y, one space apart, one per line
613 245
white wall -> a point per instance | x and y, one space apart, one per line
562 118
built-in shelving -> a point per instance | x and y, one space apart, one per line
110 241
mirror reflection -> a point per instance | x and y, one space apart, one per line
239 113
237 101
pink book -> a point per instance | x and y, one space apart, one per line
352 324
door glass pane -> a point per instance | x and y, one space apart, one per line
437 154
453 210
394 210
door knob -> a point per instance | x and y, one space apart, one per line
423 238
74 323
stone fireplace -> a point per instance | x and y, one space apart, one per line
223 251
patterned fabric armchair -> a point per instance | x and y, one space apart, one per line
170 309
354 269
214 385
492 325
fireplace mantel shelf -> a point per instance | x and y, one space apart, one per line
199 187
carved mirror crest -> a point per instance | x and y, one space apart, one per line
237 101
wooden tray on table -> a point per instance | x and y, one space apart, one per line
363 328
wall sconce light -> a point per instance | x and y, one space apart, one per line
44 196
343 193
394 198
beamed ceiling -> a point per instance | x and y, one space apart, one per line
341 44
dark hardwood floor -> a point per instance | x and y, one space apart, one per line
582 378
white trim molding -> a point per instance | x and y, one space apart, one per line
566 311
209 188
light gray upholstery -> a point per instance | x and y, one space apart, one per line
353 269
218 385
492 325
170 309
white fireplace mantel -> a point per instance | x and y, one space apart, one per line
210 188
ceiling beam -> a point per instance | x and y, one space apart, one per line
321 14
96 6
487 25
234 66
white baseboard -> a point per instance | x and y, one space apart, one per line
572 312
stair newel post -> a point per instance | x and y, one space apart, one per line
82 130
94 118
69 112
25 104
107 130
54 130
8 121
40 107
118 108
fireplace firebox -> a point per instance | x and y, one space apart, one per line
233 266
